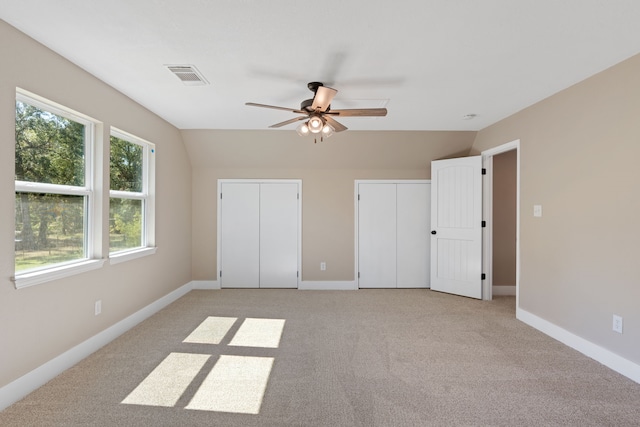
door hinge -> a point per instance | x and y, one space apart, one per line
484 223
220 273
358 274
298 196
484 171
358 197
297 274
483 276
220 196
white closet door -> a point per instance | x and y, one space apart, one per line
240 235
413 243
377 235
279 235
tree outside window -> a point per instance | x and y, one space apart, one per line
129 194
51 204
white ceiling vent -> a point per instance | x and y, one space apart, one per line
188 74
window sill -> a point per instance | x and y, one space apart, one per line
118 257
25 280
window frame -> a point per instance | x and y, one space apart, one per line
147 196
92 257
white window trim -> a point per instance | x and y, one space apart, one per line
147 196
59 271
93 255
40 187
129 254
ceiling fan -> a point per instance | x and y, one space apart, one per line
317 112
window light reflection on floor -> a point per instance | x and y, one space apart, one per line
211 331
235 384
263 333
168 381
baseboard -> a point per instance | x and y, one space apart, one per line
503 290
304 285
205 284
16 390
327 286
611 360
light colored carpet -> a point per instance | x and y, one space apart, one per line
362 358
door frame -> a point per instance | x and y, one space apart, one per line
356 212
257 181
487 214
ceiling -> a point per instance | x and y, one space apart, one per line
430 62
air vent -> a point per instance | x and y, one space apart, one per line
188 74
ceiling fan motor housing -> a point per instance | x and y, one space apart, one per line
313 86
306 105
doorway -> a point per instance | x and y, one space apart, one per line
495 250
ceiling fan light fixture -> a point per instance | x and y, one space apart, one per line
315 124
302 129
327 131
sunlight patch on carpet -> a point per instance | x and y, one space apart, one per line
168 381
211 331
263 333
235 384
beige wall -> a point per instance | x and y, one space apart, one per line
504 218
41 322
579 151
328 171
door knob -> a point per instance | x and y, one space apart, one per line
433 231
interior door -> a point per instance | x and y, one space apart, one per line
413 204
456 226
240 235
377 235
279 235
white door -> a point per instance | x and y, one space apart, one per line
240 235
456 226
377 235
413 210
279 235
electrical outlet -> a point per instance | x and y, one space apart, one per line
617 324
98 307
323 266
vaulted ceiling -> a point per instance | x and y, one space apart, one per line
430 62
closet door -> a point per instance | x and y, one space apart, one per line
413 239
377 235
279 235
240 235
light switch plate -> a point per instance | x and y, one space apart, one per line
537 210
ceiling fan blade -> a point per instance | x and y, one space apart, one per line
253 104
359 112
338 127
323 98
286 122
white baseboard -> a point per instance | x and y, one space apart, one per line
331 285
205 284
611 360
16 390
504 290
328 286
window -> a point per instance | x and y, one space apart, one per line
131 210
55 199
